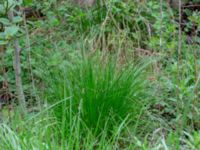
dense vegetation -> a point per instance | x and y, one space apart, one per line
114 74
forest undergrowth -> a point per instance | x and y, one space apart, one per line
121 74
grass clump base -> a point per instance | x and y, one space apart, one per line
101 91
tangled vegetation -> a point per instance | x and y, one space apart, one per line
107 74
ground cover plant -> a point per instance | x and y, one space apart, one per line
115 74
100 89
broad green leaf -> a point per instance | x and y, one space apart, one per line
2 35
1 9
11 31
17 19
19 2
3 42
27 2
54 21
14 2
11 3
5 21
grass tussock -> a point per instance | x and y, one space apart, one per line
102 91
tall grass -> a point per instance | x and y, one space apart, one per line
102 91
42 131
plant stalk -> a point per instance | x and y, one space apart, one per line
17 69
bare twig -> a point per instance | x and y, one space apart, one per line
179 64
179 39
161 23
28 47
191 6
196 76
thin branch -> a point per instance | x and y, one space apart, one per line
161 23
191 6
17 69
196 75
28 47
179 40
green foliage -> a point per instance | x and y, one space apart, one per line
42 131
83 63
193 140
9 28
102 91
